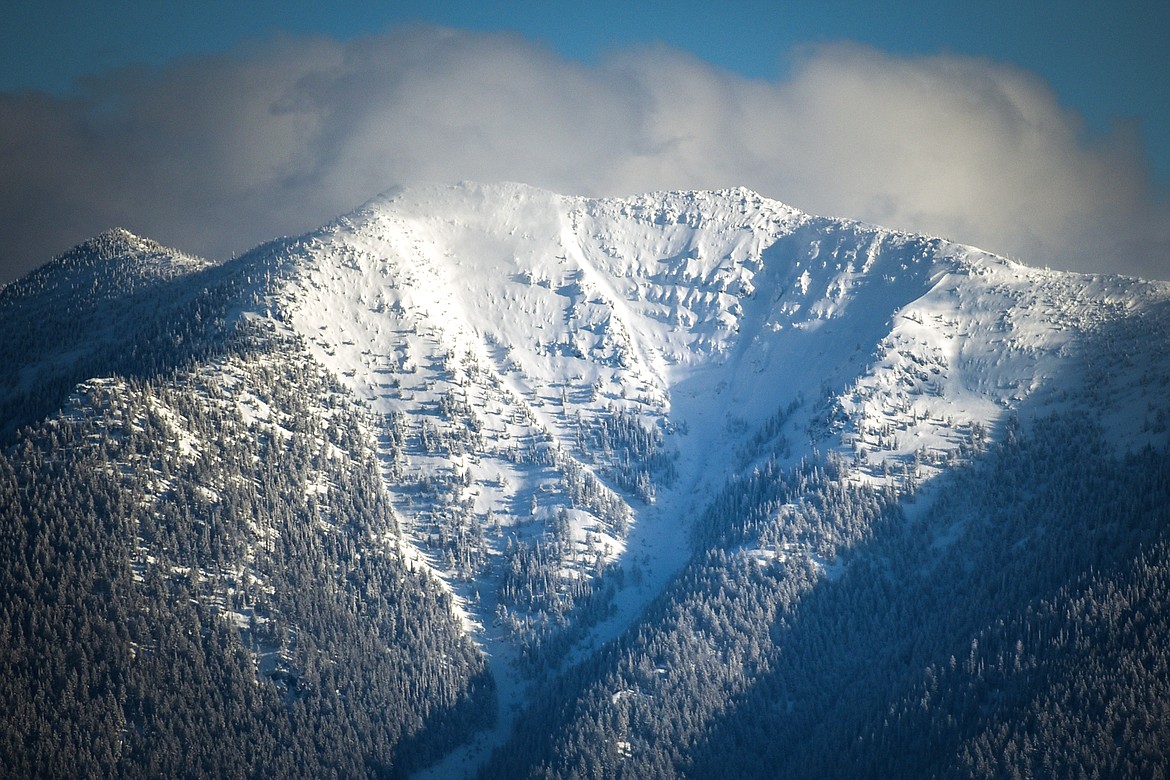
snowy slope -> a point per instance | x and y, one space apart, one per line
706 312
512 322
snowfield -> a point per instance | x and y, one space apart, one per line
704 315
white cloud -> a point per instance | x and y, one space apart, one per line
216 154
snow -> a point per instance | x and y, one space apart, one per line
705 314
185 444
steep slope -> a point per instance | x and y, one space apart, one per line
974 635
668 461
578 379
528 331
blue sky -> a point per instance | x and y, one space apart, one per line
1056 103
1108 60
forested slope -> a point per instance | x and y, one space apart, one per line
1005 625
202 578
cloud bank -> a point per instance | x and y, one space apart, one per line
216 154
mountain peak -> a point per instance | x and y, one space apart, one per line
119 248
115 242
109 264
493 197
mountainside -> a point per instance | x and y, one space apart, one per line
651 487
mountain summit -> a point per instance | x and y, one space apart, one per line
473 451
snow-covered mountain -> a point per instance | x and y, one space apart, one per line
553 390
718 322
